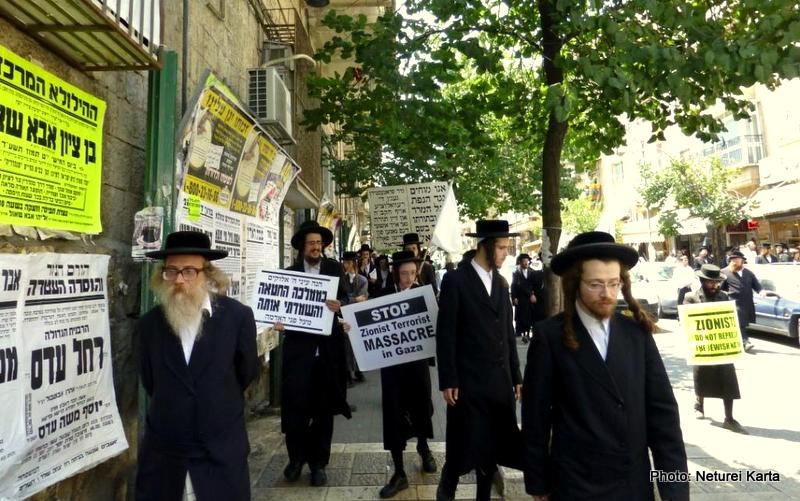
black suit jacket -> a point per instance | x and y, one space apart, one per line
300 350
741 289
603 416
196 411
477 353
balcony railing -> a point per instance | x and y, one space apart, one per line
93 35
737 151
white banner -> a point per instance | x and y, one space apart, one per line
394 329
295 299
407 208
67 413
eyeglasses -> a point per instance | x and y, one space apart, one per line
188 274
597 286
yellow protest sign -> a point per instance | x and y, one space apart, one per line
712 332
51 145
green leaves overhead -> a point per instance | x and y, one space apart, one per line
470 90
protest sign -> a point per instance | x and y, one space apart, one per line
295 299
51 145
393 329
407 208
66 415
712 332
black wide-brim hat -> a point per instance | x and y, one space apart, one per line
737 253
411 238
306 227
593 245
710 272
401 257
188 243
492 228
365 247
350 256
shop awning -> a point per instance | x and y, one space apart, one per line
777 200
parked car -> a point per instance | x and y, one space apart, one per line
643 292
658 279
779 311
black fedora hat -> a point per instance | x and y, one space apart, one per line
306 227
365 247
737 253
350 256
188 243
593 245
766 245
401 257
710 272
411 238
491 228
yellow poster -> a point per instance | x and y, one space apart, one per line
51 149
712 332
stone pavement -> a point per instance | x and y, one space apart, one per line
769 410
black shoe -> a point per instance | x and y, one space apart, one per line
428 462
443 495
318 477
525 340
292 471
734 426
396 484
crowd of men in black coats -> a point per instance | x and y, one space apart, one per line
596 399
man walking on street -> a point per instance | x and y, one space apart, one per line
478 365
526 287
714 381
313 385
766 257
197 355
740 283
596 396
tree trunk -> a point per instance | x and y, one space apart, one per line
551 154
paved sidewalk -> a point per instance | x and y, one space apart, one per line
769 410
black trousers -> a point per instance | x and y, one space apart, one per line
309 441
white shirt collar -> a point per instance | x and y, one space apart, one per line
485 276
312 268
598 329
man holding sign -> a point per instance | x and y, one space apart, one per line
406 394
313 373
714 381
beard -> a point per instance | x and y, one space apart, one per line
182 307
600 308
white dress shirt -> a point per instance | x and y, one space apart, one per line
525 273
189 332
485 276
599 330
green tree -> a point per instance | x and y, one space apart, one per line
427 96
579 215
700 189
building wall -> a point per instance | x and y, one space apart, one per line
123 172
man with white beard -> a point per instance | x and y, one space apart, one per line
197 353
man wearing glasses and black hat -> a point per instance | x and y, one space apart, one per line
740 283
596 396
478 366
197 353
314 372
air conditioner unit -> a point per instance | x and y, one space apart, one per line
271 102
273 51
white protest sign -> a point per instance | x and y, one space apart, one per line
69 420
393 329
408 208
295 299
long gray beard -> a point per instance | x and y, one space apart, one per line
183 309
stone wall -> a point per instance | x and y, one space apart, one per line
123 171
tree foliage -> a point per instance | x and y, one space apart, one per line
699 188
579 215
492 94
